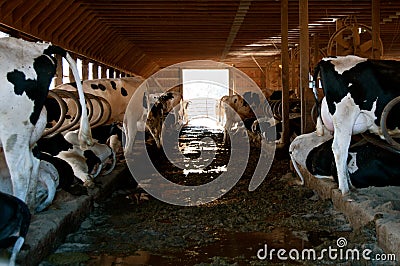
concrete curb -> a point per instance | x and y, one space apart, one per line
49 228
379 205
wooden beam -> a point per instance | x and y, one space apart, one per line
103 73
111 73
85 69
63 22
306 98
95 70
73 22
71 34
376 7
241 12
285 71
50 24
33 13
7 8
70 73
59 71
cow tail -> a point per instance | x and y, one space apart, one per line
319 123
85 134
315 89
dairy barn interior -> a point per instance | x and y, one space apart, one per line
197 110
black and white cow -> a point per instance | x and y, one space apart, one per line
104 132
47 182
356 91
235 109
15 219
158 114
367 164
26 70
67 180
116 91
271 129
86 164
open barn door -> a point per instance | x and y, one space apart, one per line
203 88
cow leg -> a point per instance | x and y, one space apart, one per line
24 170
343 121
227 128
49 179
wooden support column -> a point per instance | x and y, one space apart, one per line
263 75
85 69
294 77
376 8
111 73
316 49
306 95
95 71
70 74
59 71
285 70
103 73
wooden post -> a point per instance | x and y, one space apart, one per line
95 71
316 49
285 71
294 77
70 74
375 28
111 73
85 69
305 92
59 71
103 73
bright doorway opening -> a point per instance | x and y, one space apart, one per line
203 88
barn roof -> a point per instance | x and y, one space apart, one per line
143 36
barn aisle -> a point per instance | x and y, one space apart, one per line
129 228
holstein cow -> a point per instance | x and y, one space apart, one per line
235 109
47 182
117 91
86 164
158 113
26 71
99 153
367 164
15 219
356 92
111 135
301 146
67 180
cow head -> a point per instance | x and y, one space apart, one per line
154 122
155 118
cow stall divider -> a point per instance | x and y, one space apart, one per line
95 120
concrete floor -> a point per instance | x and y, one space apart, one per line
378 205
49 228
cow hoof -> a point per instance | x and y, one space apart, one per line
345 192
89 184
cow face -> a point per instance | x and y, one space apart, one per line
154 122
